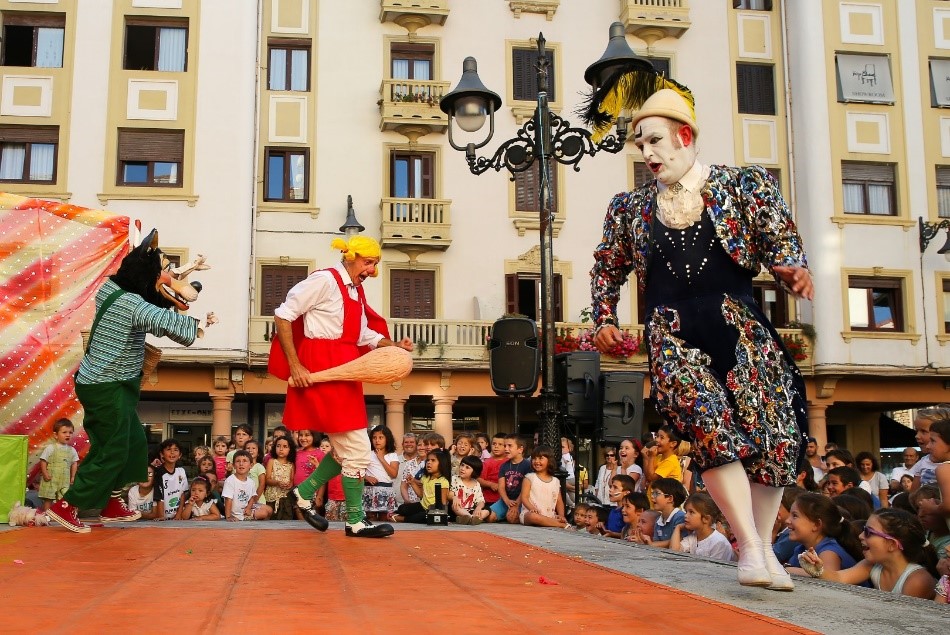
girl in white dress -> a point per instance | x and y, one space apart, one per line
541 502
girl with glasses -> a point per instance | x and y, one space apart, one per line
897 557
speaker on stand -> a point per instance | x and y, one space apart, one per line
514 359
621 407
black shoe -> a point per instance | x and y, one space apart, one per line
366 529
310 514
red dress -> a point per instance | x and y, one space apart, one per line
333 406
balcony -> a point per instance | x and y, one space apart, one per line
414 14
465 344
411 107
416 225
652 20
546 7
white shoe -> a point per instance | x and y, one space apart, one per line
753 567
781 580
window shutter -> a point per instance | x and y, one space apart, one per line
557 288
943 176
641 174
29 134
276 281
151 145
412 294
527 186
879 172
755 86
525 74
426 177
511 293
35 19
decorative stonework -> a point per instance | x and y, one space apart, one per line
547 7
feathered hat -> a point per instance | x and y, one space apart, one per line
620 80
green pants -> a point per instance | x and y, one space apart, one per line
118 448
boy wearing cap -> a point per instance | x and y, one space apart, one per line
325 322
695 237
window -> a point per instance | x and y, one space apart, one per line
525 75
641 174
772 300
28 154
289 65
411 61
411 175
527 184
864 78
156 46
939 83
276 281
874 304
523 295
868 188
755 87
943 191
286 175
662 65
33 40
752 5
150 158
412 294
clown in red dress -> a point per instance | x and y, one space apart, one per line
323 323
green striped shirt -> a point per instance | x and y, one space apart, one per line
117 351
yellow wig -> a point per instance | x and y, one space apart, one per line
357 246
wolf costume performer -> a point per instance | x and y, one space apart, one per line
133 302
323 323
695 237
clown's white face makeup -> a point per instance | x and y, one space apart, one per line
663 151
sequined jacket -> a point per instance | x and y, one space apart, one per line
750 216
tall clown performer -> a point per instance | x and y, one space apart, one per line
323 323
133 302
695 237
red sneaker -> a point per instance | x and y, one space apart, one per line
66 515
116 511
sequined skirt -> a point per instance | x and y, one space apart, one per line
721 377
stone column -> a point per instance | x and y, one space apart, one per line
443 417
221 414
396 417
817 424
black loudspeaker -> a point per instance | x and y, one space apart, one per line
514 359
621 394
576 377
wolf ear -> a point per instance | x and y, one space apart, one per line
148 243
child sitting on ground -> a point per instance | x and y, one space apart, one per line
897 557
620 486
279 478
580 516
141 497
936 525
462 448
240 492
645 527
220 457
939 447
200 505
438 464
171 483
815 522
541 502
632 505
468 503
698 535
668 495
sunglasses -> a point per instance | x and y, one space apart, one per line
871 531
611 456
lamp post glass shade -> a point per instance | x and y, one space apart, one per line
617 54
469 102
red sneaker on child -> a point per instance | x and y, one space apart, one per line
116 511
66 515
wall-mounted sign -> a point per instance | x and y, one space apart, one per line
864 78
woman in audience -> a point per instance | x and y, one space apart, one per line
872 480
606 472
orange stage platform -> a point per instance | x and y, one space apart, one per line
210 580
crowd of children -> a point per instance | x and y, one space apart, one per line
841 524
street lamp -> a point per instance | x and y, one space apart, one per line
544 137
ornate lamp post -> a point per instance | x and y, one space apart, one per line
545 137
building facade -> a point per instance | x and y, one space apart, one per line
239 129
